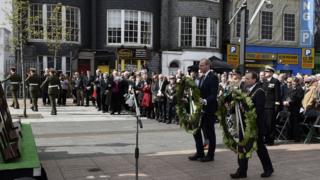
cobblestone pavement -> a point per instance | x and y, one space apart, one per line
81 143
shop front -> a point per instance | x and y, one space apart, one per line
284 60
130 59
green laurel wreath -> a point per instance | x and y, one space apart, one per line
189 121
248 145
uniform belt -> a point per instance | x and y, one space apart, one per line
53 86
33 84
14 83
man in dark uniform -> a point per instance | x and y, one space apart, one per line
89 87
33 81
257 95
15 80
271 86
208 86
53 83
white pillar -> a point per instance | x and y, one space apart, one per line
45 62
64 64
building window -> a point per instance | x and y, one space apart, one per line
114 26
238 26
58 64
129 27
266 25
201 35
186 31
289 27
72 24
54 22
214 33
50 61
198 32
36 21
146 26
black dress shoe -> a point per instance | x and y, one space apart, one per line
266 174
238 175
195 157
207 159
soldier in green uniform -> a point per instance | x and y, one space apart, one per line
15 80
33 82
53 89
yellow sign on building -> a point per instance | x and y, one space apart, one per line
288 58
307 58
233 55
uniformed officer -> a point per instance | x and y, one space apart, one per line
53 89
271 86
15 80
33 82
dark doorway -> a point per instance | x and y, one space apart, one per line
84 65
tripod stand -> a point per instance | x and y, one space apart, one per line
139 125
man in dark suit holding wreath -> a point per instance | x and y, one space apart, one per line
208 86
257 94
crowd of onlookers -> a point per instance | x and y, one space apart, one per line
156 94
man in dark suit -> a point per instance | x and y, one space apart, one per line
257 94
208 91
271 86
88 86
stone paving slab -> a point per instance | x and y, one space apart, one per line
293 165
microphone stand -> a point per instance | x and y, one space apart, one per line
139 125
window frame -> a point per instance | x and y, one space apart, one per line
139 42
290 27
63 21
264 26
194 30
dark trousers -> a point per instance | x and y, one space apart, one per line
115 102
162 105
63 97
45 97
262 154
105 106
207 126
156 110
171 111
88 96
99 98
294 130
270 124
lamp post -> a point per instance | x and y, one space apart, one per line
244 29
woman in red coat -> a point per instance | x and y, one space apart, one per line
146 102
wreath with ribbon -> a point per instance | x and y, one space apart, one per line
188 106
238 102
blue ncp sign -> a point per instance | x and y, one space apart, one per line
307 23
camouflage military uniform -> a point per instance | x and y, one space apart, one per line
53 91
33 82
15 80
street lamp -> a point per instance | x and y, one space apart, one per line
243 27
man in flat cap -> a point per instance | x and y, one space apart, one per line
33 82
271 87
15 80
53 83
